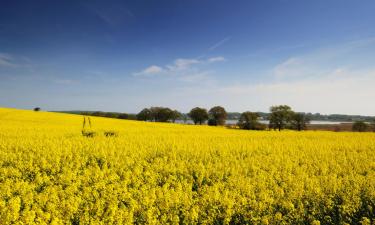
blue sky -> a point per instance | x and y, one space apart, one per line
317 56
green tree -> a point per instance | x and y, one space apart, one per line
280 116
359 126
198 115
249 121
145 115
175 115
164 114
160 114
299 121
211 122
373 125
218 114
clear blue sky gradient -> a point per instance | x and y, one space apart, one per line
317 56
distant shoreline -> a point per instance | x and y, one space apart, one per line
313 122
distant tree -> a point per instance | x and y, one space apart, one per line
280 116
299 121
132 116
98 113
175 115
160 114
124 116
110 114
211 122
154 113
373 125
36 109
163 114
145 115
360 126
218 114
249 121
198 115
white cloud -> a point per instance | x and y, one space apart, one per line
149 71
216 59
323 60
339 91
182 64
153 69
179 66
327 80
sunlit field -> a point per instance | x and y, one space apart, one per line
161 173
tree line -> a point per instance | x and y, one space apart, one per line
361 126
116 115
280 117
159 114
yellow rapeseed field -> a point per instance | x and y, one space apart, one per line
160 173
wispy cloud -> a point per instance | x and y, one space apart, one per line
216 59
319 62
150 71
289 68
180 65
12 61
338 91
6 60
219 43
327 80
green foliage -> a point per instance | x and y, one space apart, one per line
373 125
115 115
211 122
299 121
218 114
360 126
280 116
159 114
250 121
175 115
124 116
145 115
198 115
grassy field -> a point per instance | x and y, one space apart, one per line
155 173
